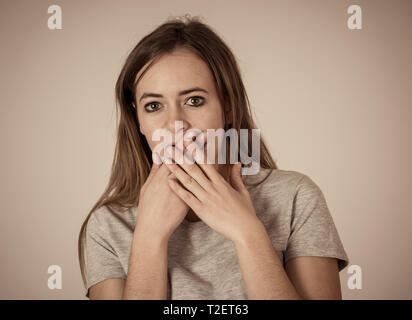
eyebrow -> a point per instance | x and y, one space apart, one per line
181 93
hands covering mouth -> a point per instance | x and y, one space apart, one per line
182 151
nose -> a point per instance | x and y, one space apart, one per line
177 123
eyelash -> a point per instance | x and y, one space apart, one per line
194 97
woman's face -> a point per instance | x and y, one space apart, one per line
161 99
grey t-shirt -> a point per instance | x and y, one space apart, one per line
202 264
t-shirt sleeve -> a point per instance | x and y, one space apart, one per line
313 232
102 261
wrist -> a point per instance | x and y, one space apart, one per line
252 233
148 238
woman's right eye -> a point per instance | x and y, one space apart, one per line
151 106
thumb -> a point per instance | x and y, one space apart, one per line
236 178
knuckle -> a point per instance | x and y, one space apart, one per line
220 179
211 188
186 196
191 168
188 180
220 182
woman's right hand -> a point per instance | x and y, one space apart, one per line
160 211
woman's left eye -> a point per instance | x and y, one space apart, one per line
195 100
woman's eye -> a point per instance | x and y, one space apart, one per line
197 101
151 107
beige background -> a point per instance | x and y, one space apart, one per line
333 103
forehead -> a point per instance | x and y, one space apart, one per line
175 72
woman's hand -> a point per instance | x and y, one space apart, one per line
226 208
160 211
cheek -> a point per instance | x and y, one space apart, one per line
147 129
211 118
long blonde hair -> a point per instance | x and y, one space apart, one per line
133 157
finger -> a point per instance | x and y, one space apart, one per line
198 158
236 177
185 195
209 169
187 181
189 165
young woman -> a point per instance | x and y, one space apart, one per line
199 230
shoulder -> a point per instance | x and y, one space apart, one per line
107 219
280 191
275 180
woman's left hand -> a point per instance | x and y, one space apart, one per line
226 208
